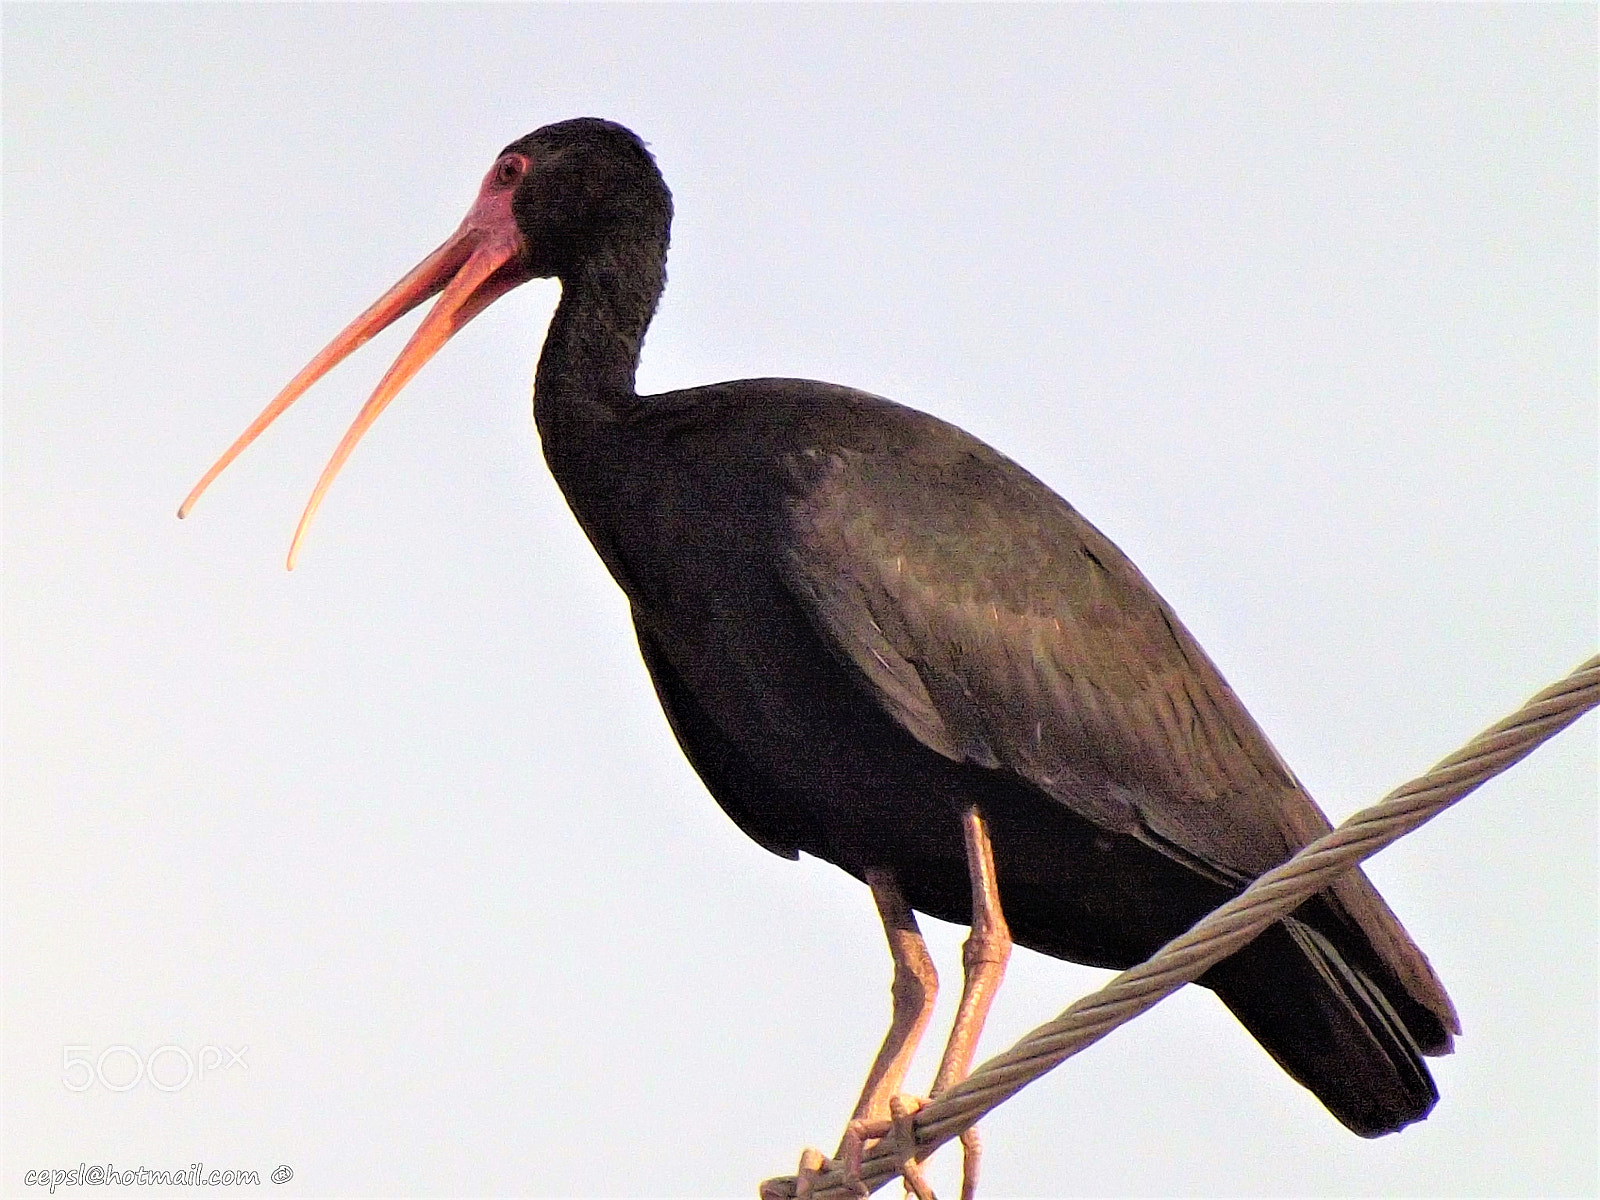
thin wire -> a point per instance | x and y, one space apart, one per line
1223 931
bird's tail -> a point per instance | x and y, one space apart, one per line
1329 1026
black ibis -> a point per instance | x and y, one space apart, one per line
883 643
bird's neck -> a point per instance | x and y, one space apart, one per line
586 371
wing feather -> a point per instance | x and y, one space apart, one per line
1001 628
1043 651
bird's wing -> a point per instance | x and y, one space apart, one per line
1001 628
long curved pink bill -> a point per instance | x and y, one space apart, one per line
427 278
475 286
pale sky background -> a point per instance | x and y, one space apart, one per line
1298 304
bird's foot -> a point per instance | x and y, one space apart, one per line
807 1179
897 1127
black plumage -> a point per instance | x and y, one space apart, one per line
862 623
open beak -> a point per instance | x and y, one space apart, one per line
482 261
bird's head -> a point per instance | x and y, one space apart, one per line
563 197
580 191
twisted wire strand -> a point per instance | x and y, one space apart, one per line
1225 930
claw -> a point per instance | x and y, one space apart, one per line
896 1126
856 1136
905 1145
812 1164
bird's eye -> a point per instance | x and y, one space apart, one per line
508 170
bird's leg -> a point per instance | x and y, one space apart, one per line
983 963
915 986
